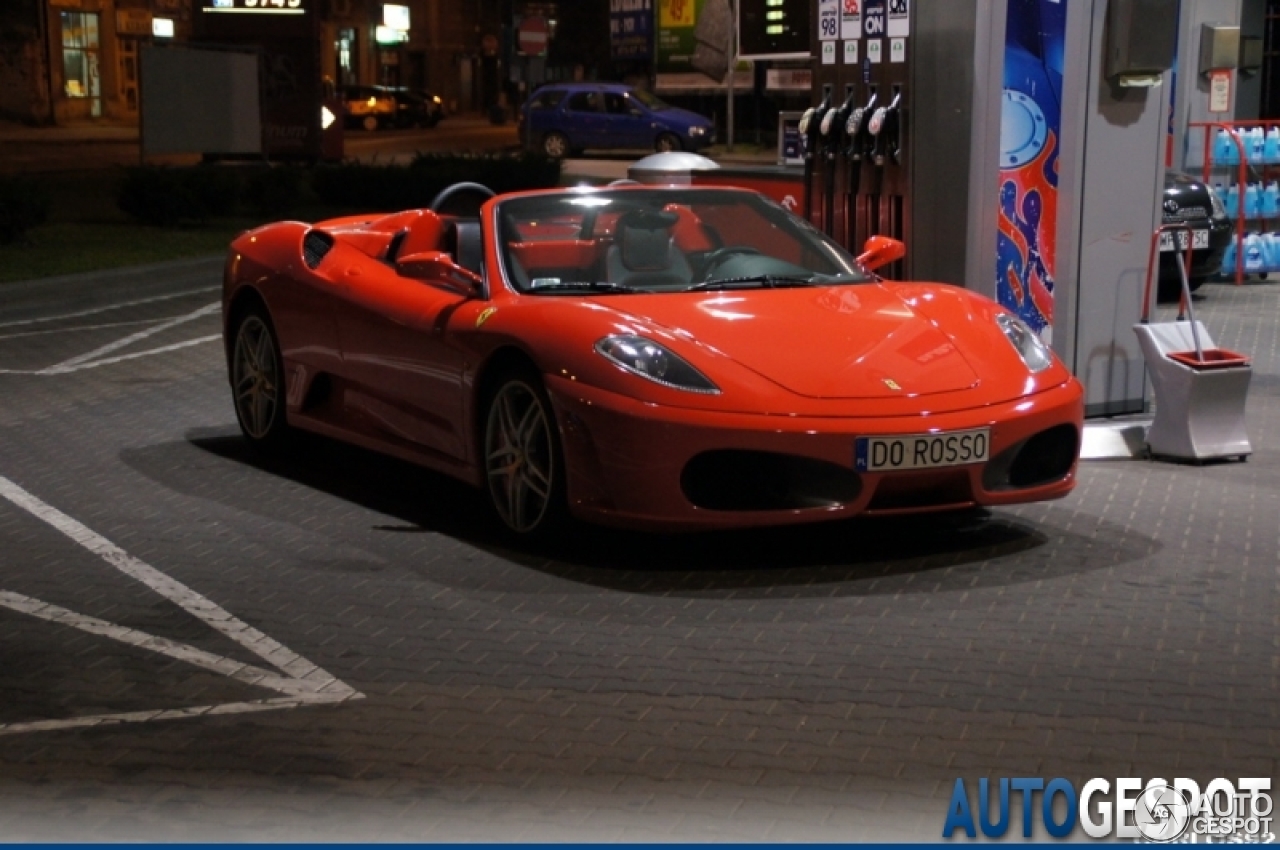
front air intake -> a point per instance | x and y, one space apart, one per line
1043 459
741 480
314 247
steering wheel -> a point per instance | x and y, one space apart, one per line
714 258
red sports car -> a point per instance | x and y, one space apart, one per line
657 357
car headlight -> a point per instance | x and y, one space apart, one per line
1029 346
648 359
1215 201
697 131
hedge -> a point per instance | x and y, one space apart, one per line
169 196
23 205
397 187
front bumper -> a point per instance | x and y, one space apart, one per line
641 465
1205 262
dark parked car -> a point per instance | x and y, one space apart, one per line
1192 202
417 108
565 118
374 107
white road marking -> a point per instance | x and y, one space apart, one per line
232 669
66 365
100 327
109 307
303 683
168 714
107 361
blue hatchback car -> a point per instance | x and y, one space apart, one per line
564 118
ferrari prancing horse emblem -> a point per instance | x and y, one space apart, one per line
891 383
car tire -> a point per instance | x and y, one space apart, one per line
257 379
555 145
370 123
667 142
522 460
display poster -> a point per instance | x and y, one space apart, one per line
676 42
631 29
1030 130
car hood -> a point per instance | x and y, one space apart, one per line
837 342
1185 198
682 117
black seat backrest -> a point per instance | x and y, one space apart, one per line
463 240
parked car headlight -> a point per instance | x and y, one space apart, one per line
697 131
1029 346
648 359
1219 208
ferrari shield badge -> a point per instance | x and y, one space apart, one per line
485 315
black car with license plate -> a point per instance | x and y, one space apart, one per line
1194 203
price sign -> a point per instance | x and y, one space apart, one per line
828 20
262 7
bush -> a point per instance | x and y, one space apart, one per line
23 205
215 188
160 196
274 192
396 187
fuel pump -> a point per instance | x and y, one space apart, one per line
833 124
810 127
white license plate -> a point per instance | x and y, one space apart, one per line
921 451
1200 239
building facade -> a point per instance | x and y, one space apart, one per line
66 61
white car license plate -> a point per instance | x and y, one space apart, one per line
921 451
1199 239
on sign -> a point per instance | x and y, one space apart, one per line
532 36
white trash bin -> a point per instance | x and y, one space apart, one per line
1200 389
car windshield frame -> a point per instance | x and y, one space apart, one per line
640 240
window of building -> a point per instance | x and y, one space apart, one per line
80 57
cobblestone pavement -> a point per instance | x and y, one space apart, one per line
195 644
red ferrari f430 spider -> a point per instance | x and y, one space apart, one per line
656 357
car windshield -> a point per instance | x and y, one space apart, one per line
630 239
649 99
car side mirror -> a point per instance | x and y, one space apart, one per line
881 251
438 269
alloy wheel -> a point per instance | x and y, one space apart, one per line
256 378
519 452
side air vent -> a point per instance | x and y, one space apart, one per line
314 246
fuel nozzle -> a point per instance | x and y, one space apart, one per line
833 124
885 126
856 129
811 124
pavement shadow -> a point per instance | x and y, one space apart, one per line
861 556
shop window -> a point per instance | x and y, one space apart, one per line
80 57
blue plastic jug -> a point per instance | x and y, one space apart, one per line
1233 201
1271 152
1252 201
1225 151
1229 259
1257 145
1271 200
1253 259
